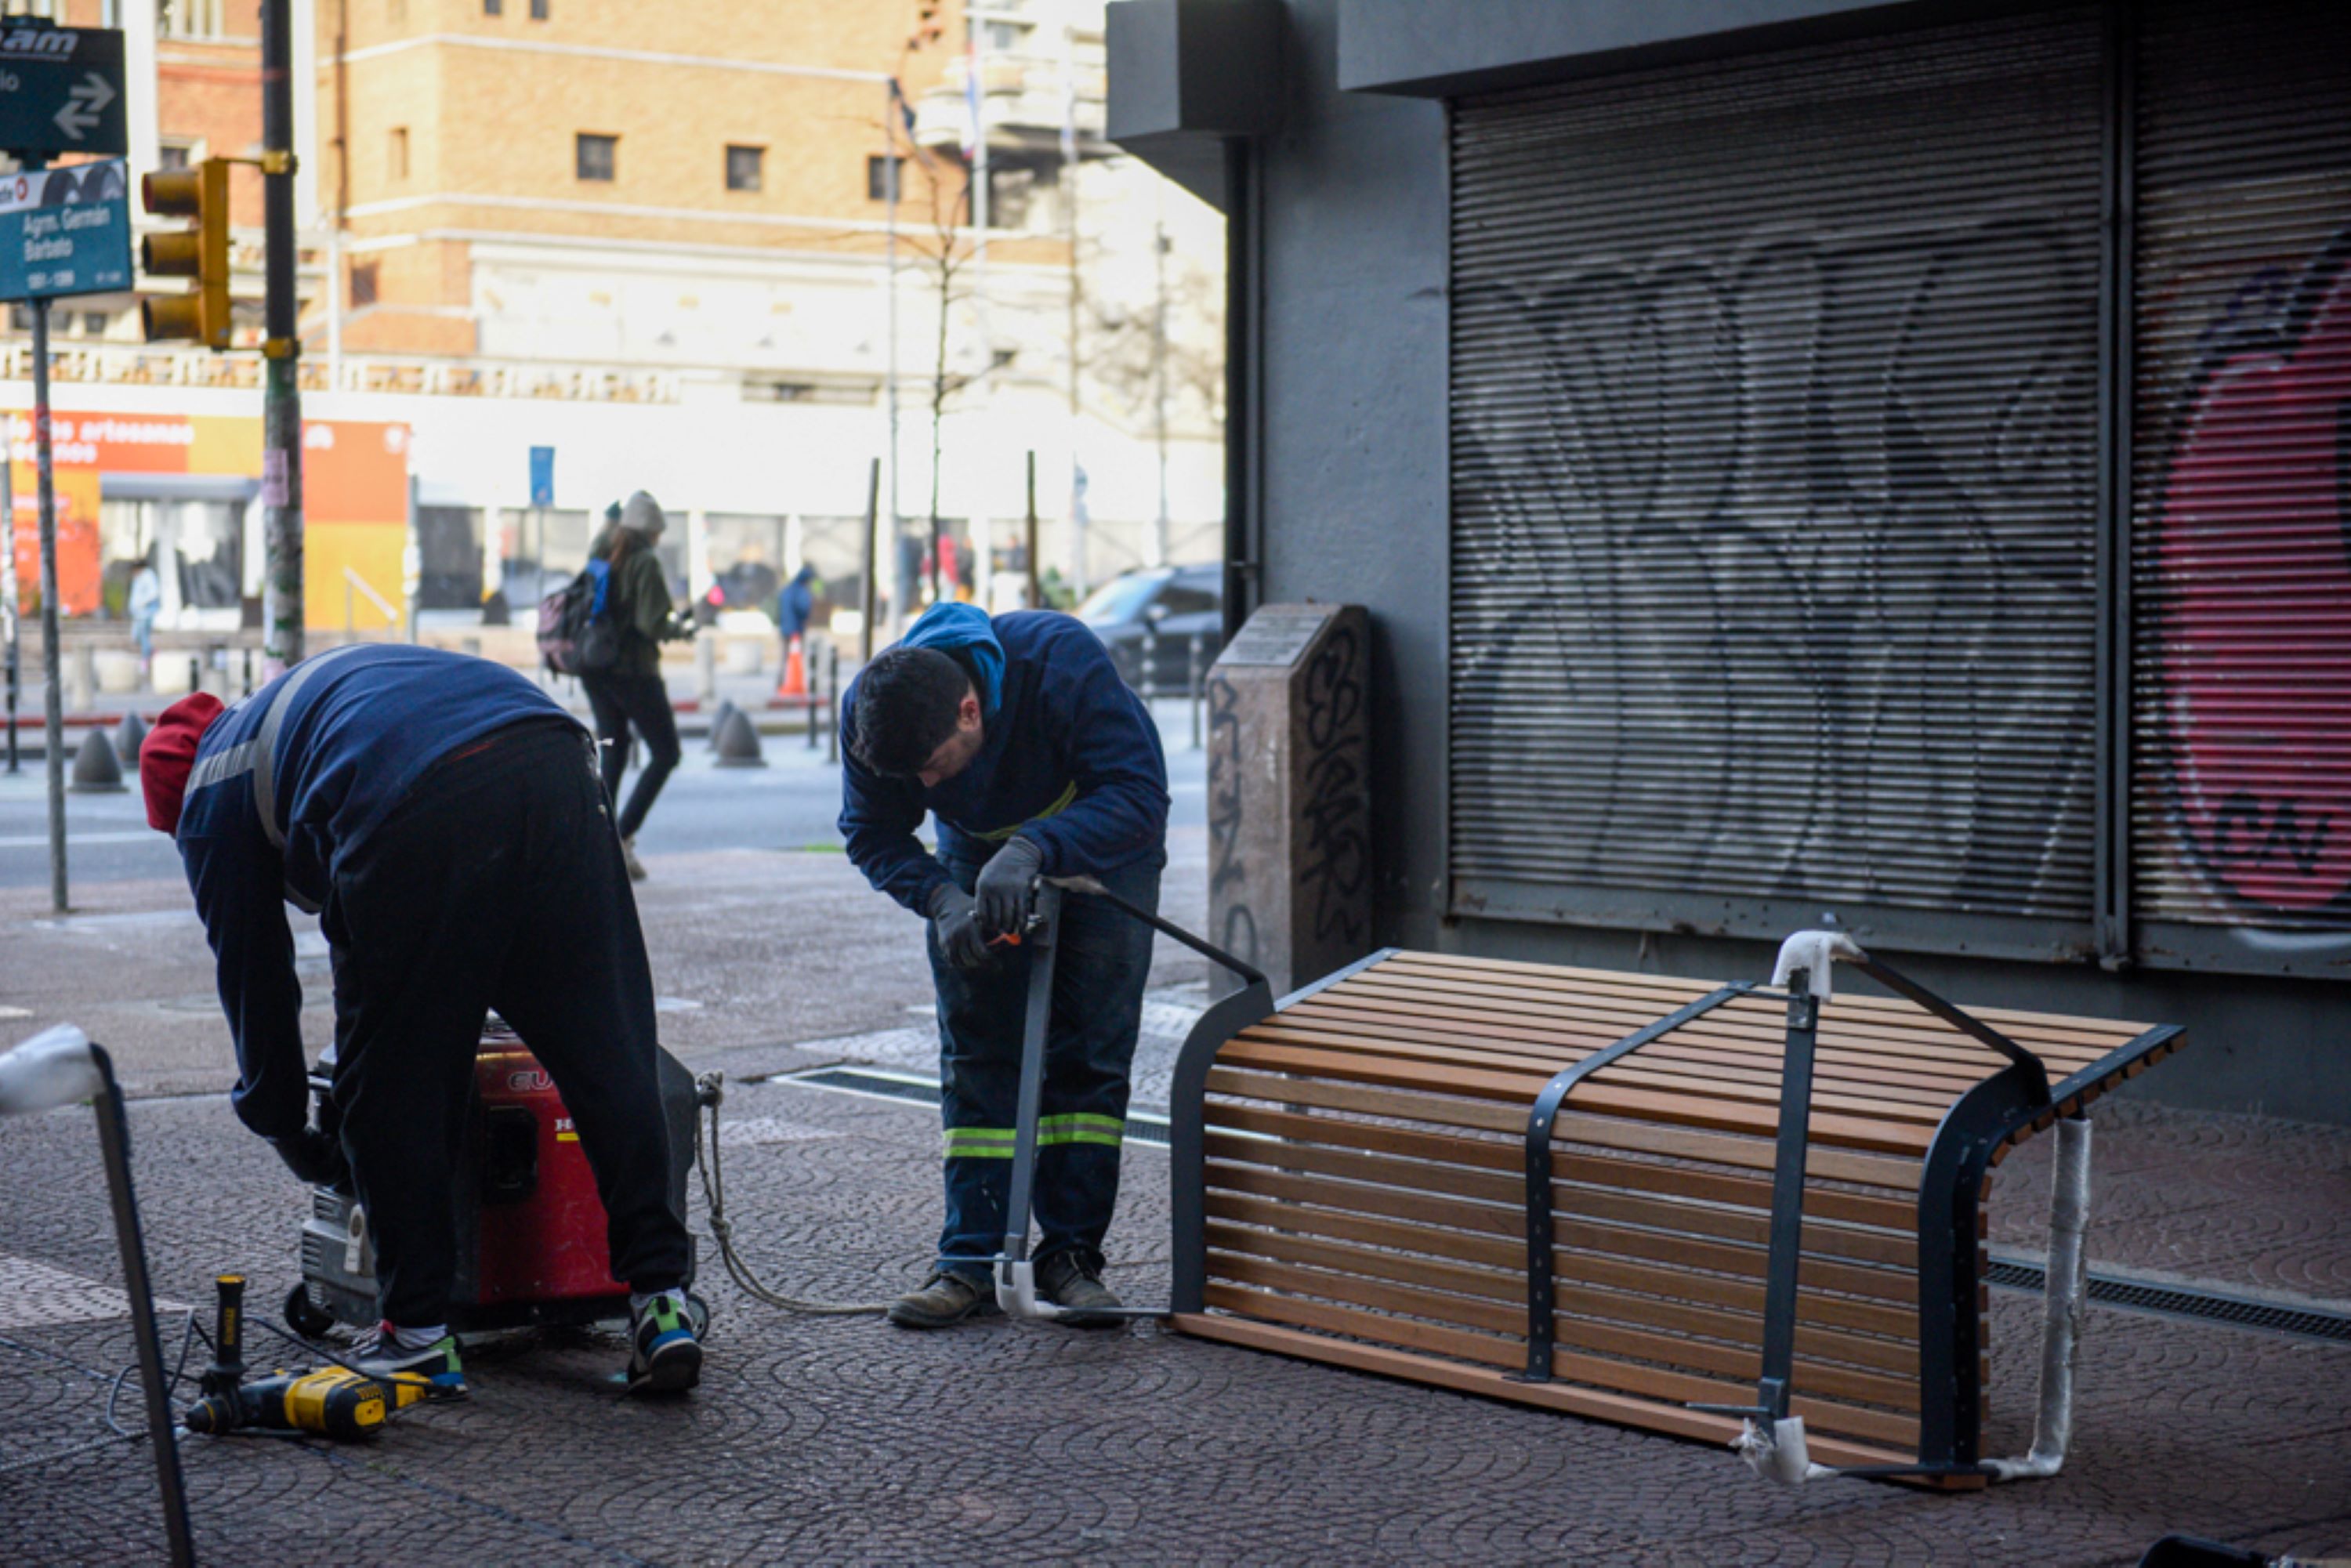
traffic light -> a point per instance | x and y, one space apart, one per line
200 253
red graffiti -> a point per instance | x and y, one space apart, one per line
2251 583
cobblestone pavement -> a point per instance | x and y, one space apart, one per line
823 1440
841 1440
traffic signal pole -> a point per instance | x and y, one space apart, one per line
281 414
53 703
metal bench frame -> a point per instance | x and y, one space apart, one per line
1984 1119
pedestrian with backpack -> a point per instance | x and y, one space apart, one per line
619 659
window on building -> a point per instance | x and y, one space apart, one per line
539 10
1012 36
494 7
178 18
363 283
94 323
743 167
396 158
599 157
879 171
1009 190
174 155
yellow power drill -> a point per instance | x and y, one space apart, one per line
333 1401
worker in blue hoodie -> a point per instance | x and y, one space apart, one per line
444 819
1018 736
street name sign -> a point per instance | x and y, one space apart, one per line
65 231
61 90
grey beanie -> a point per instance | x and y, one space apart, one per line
643 514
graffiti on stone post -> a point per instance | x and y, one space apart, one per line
1228 875
1335 854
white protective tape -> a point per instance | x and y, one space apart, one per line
1783 1456
2063 1307
1813 951
52 1068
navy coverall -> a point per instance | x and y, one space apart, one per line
1071 761
443 817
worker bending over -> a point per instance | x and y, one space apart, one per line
1018 736
444 819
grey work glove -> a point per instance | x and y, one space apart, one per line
954 921
312 1156
1007 886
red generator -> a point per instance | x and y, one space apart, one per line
530 1228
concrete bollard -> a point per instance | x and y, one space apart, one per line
738 743
718 718
96 770
129 736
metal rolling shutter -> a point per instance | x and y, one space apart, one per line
1774 459
2240 487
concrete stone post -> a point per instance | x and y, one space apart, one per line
1290 873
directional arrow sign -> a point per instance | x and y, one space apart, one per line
81 115
61 90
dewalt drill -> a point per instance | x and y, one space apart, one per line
333 1401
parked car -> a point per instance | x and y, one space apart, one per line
1171 605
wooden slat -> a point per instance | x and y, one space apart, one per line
1575 1235
1893 1019
1702 1040
1604 1132
2006 1019
1627 1073
1905 1023
1623 1377
1631 1072
1880 1320
1591 1170
1590 1203
1487 1383
1575 1302
1643 1104
1890 1017
1607 1343
1839 1081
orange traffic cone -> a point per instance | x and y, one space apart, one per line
795 681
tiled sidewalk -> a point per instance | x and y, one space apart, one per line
841 1440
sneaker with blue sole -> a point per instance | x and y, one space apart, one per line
378 1354
665 1353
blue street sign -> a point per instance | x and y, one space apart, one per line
542 475
65 231
61 90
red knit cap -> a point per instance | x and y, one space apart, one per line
169 754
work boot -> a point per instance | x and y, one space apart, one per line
376 1353
664 1353
628 858
944 1300
1074 1284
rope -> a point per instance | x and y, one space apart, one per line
708 1089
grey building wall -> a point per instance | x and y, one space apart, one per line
1352 484
1354 423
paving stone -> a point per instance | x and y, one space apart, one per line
817 1440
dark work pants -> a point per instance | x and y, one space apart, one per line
1098 980
620 701
497 882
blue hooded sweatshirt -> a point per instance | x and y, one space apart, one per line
1071 761
364 727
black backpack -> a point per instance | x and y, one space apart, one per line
579 633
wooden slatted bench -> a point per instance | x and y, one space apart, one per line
1557 1186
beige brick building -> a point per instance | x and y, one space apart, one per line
453 135
653 238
